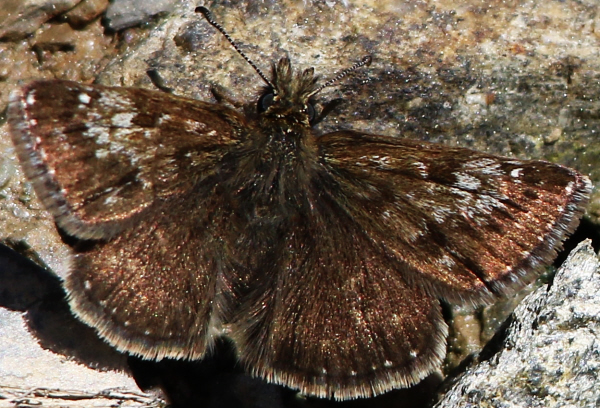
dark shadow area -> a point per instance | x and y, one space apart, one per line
27 287
219 381
216 381
22 281
586 230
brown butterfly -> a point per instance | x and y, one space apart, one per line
322 257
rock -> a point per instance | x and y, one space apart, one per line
19 18
47 357
128 13
86 11
550 356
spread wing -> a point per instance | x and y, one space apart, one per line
347 303
99 156
142 186
463 225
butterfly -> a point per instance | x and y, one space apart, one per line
322 257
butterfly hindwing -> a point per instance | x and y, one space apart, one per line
330 315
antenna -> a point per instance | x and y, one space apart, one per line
366 60
208 16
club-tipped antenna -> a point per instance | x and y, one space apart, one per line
208 16
366 60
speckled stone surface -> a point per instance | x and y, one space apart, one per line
550 356
517 78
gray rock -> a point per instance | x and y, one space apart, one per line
551 354
18 18
86 11
128 13
35 376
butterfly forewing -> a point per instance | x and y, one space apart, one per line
475 225
99 156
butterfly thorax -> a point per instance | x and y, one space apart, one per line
280 154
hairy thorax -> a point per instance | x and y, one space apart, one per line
277 164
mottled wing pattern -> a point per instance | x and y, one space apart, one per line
463 225
354 311
142 185
135 157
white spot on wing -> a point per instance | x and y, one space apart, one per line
123 120
569 188
446 261
101 153
110 200
488 167
483 207
98 133
516 173
441 213
30 98
195 126
422 169
466 181
116 101
163 118
84 98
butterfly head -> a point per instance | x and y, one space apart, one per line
287 97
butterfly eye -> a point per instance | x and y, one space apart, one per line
310 111
266 101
